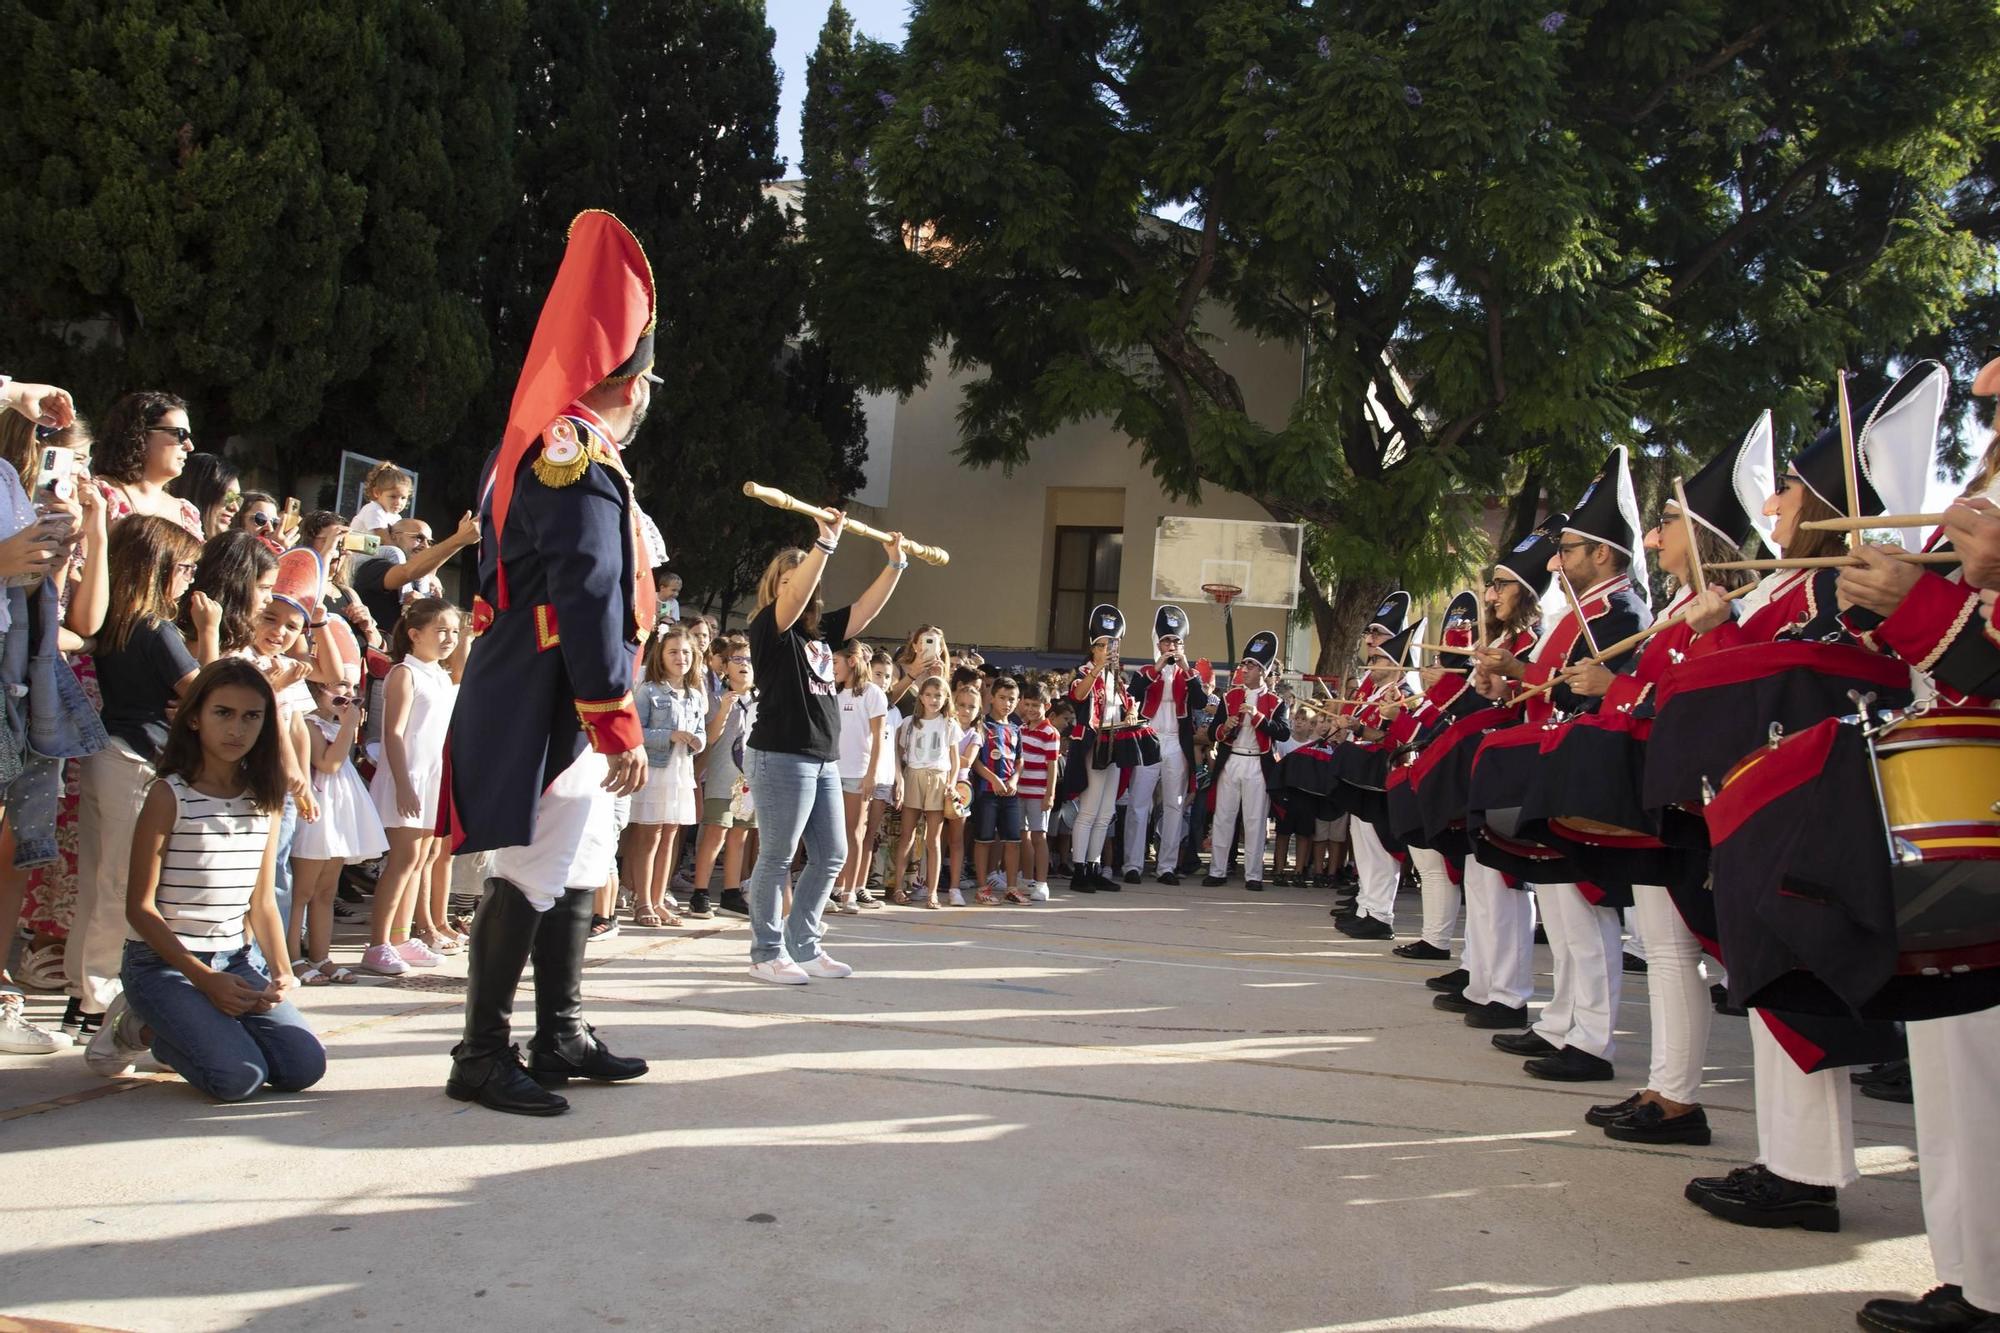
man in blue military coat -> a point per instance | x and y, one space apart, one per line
545 735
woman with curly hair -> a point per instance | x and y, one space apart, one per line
142 447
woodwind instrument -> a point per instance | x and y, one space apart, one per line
777 499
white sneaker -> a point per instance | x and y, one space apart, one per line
823 965
417 954
997 882
383 961
1039 890
20 1037
779 971
957 899
116 1049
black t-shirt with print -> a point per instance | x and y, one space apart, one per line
798 711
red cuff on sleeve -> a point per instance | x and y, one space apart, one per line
1931 615
1626 692
611 724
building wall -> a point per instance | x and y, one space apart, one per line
1000 527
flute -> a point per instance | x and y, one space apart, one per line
777 499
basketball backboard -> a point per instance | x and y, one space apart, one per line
1260 558
347 496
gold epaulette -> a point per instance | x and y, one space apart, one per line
564 457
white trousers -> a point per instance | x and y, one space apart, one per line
1955 1068
576 837
1676 995
1380 873
1440 897
1169 778
111 790
1805 1122
1583 940
1499 954
1239 789
1096 807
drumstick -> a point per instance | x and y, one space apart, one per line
1839 561
1848 458
930 555
1694 543
1627 644
1583 621
1879 521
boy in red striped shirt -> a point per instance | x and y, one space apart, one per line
1041 757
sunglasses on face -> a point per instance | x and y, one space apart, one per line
263 520
182 435
342 700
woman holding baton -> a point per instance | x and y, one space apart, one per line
792 758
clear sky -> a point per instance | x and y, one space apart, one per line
797 24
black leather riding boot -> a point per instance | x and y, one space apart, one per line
485 1065
565 1047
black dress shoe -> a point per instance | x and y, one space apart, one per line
1367 928
1895 1088
1169 878
589 1059
1131 877
1104 882
1494 1014
1212 881
1080 881
1634 963
1450 981
1942 1310
1253 885
499 1083
1718 995
1761 1198
1523 1043
1452 1002
1601 1116
1649 1122
1569 1065
1422 951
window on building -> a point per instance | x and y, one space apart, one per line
1086 573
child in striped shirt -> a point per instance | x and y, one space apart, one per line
204 863
1041 758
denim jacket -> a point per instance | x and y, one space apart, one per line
663 711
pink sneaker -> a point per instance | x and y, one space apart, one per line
383 961
417 954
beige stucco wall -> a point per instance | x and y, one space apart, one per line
1000 527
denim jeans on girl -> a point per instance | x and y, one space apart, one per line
797 797
227 1058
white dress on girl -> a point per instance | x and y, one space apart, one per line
669 796
432 693
348 829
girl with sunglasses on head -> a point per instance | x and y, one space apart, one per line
141 448
347 831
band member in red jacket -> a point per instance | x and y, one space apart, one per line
1249 719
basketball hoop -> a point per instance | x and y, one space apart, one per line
1222 594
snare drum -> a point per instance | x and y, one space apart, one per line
1938 774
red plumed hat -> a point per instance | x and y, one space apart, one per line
597 323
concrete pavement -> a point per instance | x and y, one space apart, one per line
1162 1109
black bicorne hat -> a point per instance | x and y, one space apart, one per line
1727 495
1397 647
1609 513
1169 620
1393 614
1895 440
1461 628
1262 649
1106 622
1528 562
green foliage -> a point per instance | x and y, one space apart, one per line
1522 233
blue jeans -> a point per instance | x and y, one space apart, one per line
227 1058
796 798
288 828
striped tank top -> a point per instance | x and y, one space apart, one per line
208 869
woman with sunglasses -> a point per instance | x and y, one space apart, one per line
260 515
141 449
214 487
